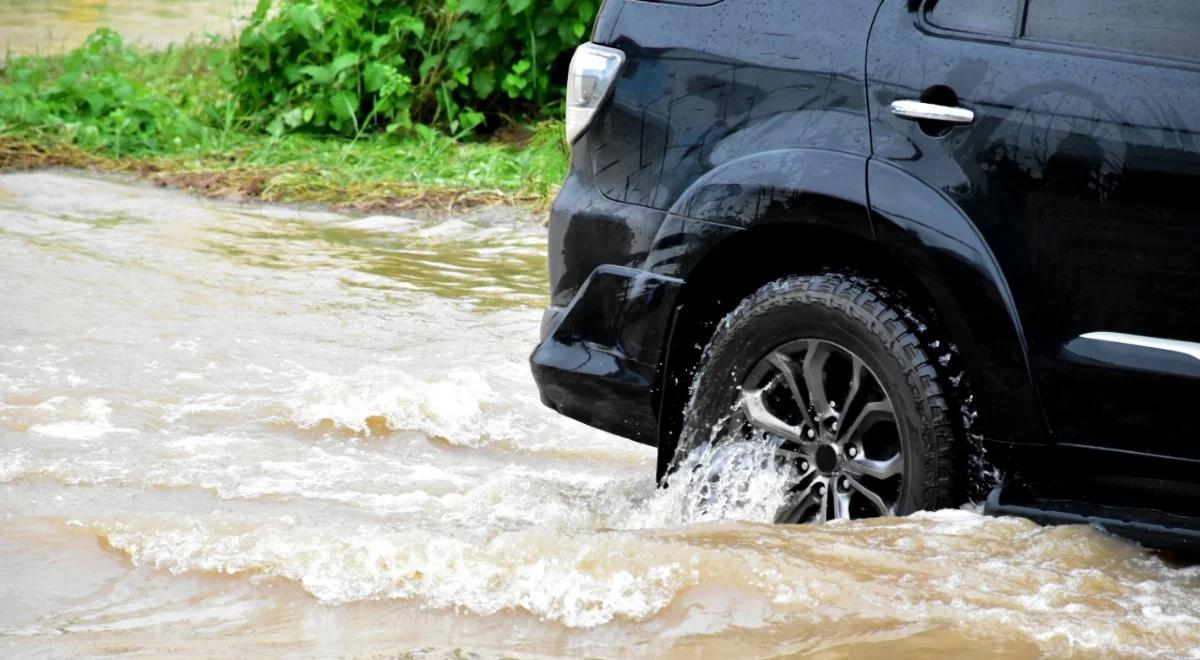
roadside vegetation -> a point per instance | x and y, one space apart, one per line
360 103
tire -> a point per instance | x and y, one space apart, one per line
863 423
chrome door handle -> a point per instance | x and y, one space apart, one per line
921 111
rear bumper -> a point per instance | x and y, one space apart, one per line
601 354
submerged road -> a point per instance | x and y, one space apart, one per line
230 429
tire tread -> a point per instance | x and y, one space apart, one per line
886 315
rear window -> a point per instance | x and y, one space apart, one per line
990 17
1169 28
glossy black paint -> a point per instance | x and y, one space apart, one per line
959 272
763 127
604 349
704 87
1059 505
1108 356
588 230
692 146
1078 173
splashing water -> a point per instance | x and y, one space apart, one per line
736 481
253 430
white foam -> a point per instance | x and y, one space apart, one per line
13 465
95 424
578 582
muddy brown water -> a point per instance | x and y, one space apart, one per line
52 26
232 429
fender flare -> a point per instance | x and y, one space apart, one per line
914 224
921 228
817 187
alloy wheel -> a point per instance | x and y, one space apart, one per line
832 424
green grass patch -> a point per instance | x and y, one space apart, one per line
174 115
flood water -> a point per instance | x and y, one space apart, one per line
234 429
52 26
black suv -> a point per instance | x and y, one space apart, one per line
892 238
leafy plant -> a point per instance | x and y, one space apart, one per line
340 101
106 95
345 66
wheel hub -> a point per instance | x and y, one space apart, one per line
827 459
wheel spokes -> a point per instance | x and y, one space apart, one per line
823 512
830 445
814 375
856 377
757 414
884 469
872 413
871 496
788 368
790 451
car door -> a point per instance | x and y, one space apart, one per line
1071 142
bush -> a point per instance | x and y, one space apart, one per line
344 66
108 96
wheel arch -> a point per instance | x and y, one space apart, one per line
764 254
941 264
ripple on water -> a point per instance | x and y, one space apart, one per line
323 427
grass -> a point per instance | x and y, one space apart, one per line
375 173
171 116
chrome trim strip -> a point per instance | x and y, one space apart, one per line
1189 348
919 110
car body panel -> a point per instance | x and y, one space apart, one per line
598 361
1076 173
682 108
674 163
1060 219
818 186
589 230
923 229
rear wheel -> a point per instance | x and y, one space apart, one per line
834 378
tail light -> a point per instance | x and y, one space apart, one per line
594 69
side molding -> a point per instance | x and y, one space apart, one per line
1189 348
1135 353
